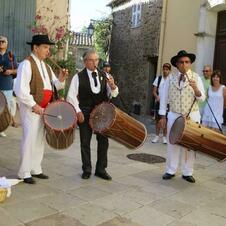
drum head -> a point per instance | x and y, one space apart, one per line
177 130
102 117
65 115
3 102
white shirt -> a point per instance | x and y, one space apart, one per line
73 90
165 94
24 75
161 85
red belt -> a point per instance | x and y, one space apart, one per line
47 95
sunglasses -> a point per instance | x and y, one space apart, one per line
185 62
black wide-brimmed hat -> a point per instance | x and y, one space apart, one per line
40 39
180 54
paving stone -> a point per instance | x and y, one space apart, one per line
90 215
27 211
119 221
147 216
56 220
6 219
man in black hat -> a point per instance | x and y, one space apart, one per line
34 90
106 67
182 90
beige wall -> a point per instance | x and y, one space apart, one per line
50 8
180 24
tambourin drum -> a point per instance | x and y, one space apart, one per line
198 138
5 116
114 123
60 121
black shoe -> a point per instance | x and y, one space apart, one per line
103 175
86 175
29 180
41 176
190 179
168 176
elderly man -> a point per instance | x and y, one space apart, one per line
207 72
34 90
8 70
89 88
182 90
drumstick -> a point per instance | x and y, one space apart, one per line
55 116
55 63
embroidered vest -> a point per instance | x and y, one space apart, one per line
181 99
36 83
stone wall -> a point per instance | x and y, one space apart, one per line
131 52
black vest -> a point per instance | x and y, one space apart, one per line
85 95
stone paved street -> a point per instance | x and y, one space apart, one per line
137 196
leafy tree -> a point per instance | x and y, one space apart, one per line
102 36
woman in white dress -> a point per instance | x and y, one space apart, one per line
217 102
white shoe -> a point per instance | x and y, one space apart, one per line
164 140
2 134
155 140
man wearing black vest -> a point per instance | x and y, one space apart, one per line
89 88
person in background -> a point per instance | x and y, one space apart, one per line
207 72
8 71
216 97
158 87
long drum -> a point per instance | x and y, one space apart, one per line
198 138
114 123
60 121
5 116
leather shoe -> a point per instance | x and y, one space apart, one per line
41 176
103 175
86 175
168 176
29 180
190 179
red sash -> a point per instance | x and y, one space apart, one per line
47 95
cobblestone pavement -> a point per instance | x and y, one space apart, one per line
137 196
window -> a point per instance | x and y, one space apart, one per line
136 15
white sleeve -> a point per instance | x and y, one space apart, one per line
22 85
112 93
59 85
201 89
72 96
164 98
155 83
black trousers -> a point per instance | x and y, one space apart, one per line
102 148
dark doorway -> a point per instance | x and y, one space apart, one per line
220 48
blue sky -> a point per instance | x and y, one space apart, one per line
84 10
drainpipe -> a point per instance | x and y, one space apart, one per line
162 36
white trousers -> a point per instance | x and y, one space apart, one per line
176 153
32 144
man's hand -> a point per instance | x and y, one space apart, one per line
111 82
193 84
63 75
8 72
157 98
37 109
80 117
162 121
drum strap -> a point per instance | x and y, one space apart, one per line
191 108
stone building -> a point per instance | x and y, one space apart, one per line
134 50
